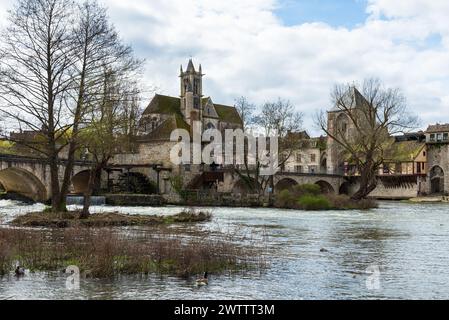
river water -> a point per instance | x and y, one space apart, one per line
399 251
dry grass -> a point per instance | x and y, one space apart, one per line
109 252
100 220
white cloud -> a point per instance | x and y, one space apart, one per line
246 50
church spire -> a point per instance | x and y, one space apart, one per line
191 93
190 67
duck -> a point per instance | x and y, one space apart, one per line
203 281
20 272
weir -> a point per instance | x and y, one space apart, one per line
78 201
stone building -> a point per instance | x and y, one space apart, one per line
437 139
339 123
165 114
308 156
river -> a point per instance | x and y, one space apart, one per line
399 251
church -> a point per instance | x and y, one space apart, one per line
165 113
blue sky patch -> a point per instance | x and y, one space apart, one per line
337 13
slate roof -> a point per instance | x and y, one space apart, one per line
359 99
172 106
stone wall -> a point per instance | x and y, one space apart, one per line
437 155
404 188
134 200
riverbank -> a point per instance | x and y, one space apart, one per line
103 253
310 197
101 220
429 199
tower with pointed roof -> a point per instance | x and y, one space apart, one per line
191 93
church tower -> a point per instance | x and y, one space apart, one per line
191 93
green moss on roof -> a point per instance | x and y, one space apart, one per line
181 124
405 151
228 114
165 105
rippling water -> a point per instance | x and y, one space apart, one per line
409 244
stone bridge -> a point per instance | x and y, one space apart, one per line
30 177
329 183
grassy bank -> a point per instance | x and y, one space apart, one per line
105 252
99 220
310 197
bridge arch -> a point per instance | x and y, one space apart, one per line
136 182
285 184
325 186
23 182
437 180
242 187
345 188
80 182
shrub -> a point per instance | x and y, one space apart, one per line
314 202
304 189
346 203
285 199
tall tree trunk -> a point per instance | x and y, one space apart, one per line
89 192
94 177
73 146
368 181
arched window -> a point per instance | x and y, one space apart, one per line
342 124
210 125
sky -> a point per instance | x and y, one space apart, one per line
293 49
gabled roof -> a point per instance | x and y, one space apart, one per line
438 128
228 114
404 151
206 114
164 131
164 104
357 97
172 106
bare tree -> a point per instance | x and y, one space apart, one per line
109 125
374 113
246 111
36 61
98 48
52 62
275 118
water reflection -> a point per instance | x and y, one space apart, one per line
409 244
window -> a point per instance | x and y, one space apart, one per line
432 137
424 153
445 136
299 169
439 137
196 103
299 158
312 157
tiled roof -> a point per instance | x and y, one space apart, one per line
404 151
172 106
438 128
228 114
